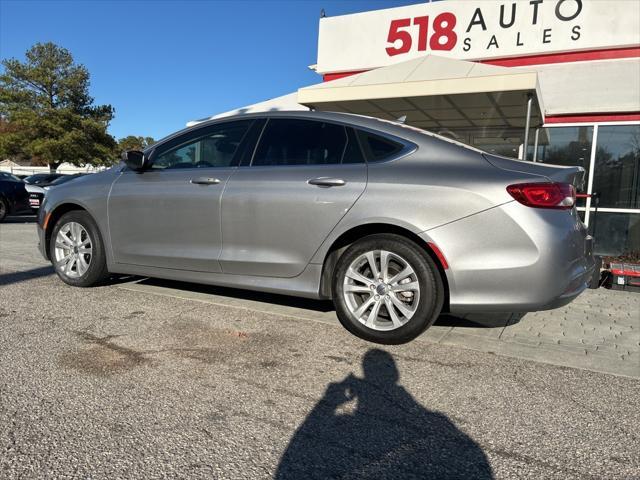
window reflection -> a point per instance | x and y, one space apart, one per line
616 234
617 168
502 141
569 146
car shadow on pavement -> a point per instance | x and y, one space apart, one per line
23 276
490 320
273 298
21 219
372 428
479 320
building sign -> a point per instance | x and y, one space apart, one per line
475 30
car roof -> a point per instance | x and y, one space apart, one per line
390 127
361 121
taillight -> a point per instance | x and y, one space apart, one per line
560 196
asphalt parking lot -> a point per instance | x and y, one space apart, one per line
150 379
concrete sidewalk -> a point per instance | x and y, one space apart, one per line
599 331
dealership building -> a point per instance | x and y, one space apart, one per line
553 81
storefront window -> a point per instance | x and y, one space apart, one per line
617 168
567 146
495 140
531 143
616 234
506 147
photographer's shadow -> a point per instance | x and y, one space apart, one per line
372 428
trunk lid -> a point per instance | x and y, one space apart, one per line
553 173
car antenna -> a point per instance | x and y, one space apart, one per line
401 119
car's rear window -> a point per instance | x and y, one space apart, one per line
378 148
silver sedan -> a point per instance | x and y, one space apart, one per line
392 223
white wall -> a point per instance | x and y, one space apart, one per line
65 168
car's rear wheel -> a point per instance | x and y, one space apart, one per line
386 289
77 250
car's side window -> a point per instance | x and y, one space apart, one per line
215 149
378 148
302 142
353 153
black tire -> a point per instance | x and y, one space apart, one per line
97 272
4 209
429 304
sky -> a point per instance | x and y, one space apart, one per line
161 63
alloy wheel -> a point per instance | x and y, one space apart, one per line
381 290
73 250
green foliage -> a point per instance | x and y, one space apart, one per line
132 142
47 114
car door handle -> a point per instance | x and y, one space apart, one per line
327 182
205 181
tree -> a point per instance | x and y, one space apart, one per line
47 112
131 142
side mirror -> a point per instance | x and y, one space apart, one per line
134 159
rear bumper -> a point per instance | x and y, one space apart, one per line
576 286
35 200
514 258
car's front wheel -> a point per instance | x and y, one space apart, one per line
4 209
386 289
77 250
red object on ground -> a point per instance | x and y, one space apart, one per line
625 271
625 276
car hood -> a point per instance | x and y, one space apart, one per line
33 188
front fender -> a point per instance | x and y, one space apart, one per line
89 193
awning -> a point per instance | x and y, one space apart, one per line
434 92
602 86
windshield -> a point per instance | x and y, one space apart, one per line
8 176
63 179
39 178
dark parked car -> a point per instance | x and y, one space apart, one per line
36 195
61 180
38 190
9 176
42 179
14 198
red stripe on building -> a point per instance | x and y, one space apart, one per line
327 77
586 55
594 117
